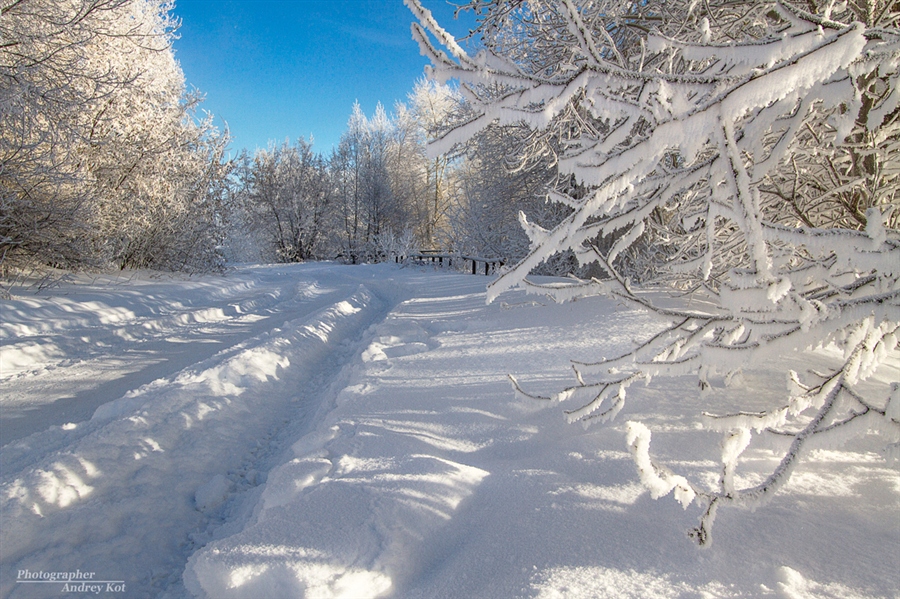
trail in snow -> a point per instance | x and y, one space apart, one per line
66 355
364 441
144 477
428 479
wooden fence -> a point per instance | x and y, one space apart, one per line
439 258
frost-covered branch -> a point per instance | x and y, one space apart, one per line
746 152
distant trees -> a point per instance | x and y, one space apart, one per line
742 152
437 190
286 196
101 158
376 191
367 181
104 162
384 209
499 181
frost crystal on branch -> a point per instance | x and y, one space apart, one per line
745 154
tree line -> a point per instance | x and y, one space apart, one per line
380 192
106 162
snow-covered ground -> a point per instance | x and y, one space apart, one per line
336 431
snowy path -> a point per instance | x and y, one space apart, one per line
142 478
355 436
64 358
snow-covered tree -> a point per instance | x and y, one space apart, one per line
48 88
406 167
383 209
101 157
363 184
381 180
430 105
347 165
285 197
745 153
499 180
158 192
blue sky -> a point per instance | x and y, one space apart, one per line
284 69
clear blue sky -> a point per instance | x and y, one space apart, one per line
284 69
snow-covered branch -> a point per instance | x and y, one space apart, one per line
745 154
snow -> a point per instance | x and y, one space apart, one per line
320 430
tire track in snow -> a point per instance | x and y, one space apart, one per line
123 500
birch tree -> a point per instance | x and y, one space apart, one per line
754 145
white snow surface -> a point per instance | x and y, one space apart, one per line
321 430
